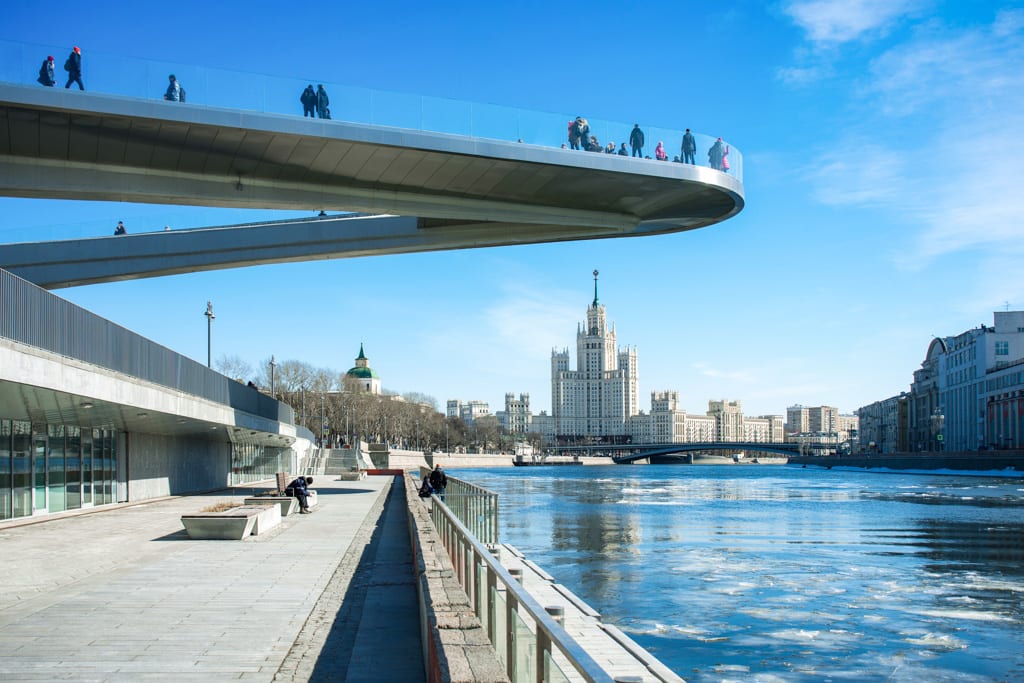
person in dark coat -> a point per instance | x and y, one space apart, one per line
74 68
174 93
636 141
300 489
689 147
46 76
322 102
120 230
623 152
438 481
308 100
716 154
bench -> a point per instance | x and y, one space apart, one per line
233 524
288 504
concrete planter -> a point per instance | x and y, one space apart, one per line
287 504
231 525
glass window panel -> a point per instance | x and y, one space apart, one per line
21 467
5 469
39 469
55 469
87 465
73 468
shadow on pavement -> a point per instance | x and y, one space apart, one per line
382 632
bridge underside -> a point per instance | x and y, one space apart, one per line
429 191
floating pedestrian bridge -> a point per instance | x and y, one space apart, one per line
414 190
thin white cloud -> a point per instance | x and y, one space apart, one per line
954 174
841 21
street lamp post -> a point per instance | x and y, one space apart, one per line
273 384
209 331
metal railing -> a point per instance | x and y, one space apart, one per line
474 506
507 611
33 316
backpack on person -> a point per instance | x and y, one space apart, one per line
181 93
67 64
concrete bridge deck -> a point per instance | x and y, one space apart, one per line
424 191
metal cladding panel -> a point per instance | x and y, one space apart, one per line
84 140
423 170
221 152
329 156
353 159
466 181
377 164
113 142
24 138
303 154
275 157
196 151
400 167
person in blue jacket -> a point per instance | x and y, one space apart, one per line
300 489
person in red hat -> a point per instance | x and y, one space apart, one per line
46 76
73 66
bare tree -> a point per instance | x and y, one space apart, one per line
234 367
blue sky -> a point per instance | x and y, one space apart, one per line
883 146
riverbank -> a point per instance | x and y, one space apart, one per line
985 461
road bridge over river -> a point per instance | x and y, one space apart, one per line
630 453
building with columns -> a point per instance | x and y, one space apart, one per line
516 418
969 391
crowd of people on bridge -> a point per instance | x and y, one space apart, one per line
581 138
316 104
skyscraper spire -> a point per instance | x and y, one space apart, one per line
595 287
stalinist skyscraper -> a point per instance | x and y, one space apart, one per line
598 396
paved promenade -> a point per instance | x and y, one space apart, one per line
125 595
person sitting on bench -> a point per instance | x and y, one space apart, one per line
300 489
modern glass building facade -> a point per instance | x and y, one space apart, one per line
53 468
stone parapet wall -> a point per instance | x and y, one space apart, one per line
455 645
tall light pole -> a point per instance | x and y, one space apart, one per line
273 384
209 331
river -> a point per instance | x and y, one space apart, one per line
781 573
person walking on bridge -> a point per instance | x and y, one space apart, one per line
73 65
438 481
46 76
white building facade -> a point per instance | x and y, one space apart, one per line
598 398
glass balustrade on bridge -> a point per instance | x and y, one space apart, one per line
111 74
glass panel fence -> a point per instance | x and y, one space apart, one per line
525 643
113 74
498 600
552 672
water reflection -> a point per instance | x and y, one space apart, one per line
786 574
